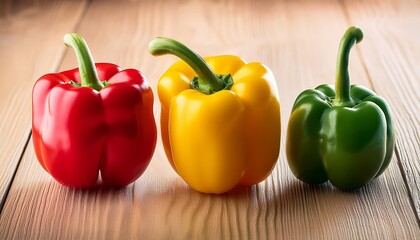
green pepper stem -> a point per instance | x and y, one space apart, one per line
208 81
342 81
88 75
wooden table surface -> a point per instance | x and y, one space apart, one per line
298 40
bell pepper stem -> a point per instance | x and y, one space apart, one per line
88 75
342 82
208 82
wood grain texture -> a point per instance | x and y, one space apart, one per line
30 46
298 40
391 53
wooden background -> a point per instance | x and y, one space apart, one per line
298 40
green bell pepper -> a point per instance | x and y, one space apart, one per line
344 135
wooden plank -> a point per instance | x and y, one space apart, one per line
391 53
293 40
30 46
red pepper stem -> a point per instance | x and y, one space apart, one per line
208 81
88 75
342 82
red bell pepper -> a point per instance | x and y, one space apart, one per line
93 118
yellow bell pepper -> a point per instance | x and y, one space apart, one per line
218 130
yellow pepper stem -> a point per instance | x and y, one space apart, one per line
206 81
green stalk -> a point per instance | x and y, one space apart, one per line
88 75
342 81
207 81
